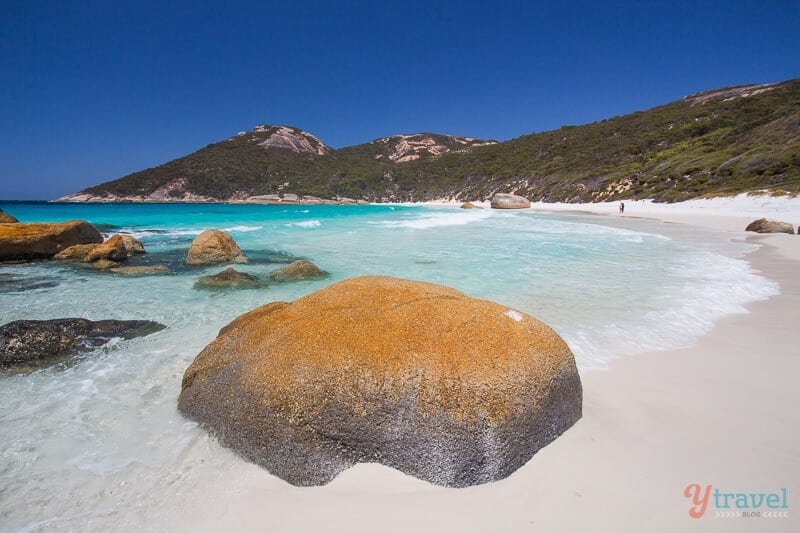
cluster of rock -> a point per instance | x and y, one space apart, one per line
214 247
419 377
109 254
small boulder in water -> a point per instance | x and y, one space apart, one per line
297 270
112 250
37 342
214 246
133 245
229 279
470 205
762 225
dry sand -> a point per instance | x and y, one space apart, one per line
725 412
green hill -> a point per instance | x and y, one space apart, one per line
720 142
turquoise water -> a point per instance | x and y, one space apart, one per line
83 443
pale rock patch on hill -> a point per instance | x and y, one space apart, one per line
409 147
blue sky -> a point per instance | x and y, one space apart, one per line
92 91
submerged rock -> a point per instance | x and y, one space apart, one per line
762 225
19 283
419 377
509 201
43 241
214 246
38 342
102 264
229 279
297 270
142 270
470 205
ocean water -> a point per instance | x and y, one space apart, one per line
98 442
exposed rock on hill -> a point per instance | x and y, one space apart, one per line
403 148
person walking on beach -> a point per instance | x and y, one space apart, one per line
621 207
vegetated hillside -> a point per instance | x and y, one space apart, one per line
719 142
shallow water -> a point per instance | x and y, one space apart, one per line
97 442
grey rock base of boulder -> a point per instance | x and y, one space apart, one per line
436 449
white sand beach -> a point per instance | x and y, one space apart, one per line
722 413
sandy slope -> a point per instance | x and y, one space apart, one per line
724 412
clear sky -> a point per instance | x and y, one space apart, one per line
92 91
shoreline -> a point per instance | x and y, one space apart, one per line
720 412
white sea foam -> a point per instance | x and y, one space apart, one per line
433 220
305 224
242 229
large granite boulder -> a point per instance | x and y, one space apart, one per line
214 246
762 225
419 377
5 218
132 245
43 241
297 270
229 278
509 201
113 249
31 343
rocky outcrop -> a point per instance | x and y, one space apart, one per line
410 147
229 279
79 252
214 246
762 225
31 343
297 270
43 241
132 245
141 270
470 205
419 377
5 218
509 201
288 138
113 249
